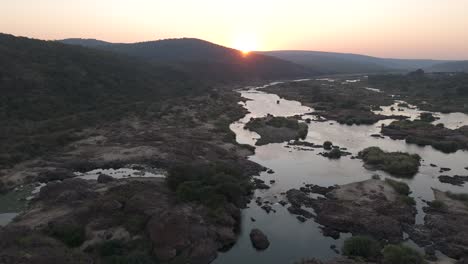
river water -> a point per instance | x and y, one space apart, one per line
291 240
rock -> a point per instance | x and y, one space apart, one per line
283 203
454 180
58 174
445 226
260 184
298 198
67 191
267 208
270 171
299 211
272 181
371 207
433 165
252 219
321 190
259 239
444 169
104 178
327 145
330 232
301 218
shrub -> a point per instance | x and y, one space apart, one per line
400 187
408 200
397 163
361 246
458 196
399 254
427 117
73 235
334 154
211 184
436 204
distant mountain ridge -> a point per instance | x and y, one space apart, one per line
203 58
350 63
454 66
206 57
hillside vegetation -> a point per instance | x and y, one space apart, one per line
204 59
48 90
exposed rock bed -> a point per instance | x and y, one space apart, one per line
454 180
346 103
424 134
133 211
445 227
371 207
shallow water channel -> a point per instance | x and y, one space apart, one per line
291 240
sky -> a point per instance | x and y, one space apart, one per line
386 28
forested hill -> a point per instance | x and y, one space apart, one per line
205 59
48 90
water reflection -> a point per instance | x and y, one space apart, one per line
292 240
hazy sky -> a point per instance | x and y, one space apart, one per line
388 28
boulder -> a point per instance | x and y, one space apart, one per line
259 239
104 178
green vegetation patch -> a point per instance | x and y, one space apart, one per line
212 184
400 187
361 247
400 254
71 234
396 163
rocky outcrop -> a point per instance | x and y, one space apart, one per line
259 239
445 226
423 134
454 180
104 178
371 207
126 210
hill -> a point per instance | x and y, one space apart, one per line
455 66
48 89
332 62
204 59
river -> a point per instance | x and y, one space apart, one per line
292 240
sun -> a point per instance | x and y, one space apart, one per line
245 44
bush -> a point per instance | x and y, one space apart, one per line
436 204
334 154
400 187
399 254
361 246
73 235
408 200
397 163
211 184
